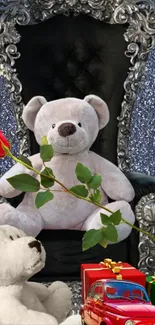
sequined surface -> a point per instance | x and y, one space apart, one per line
76 289
142 139
7 124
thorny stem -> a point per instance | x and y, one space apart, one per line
76 195
138 229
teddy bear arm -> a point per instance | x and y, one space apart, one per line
6 190
114 182
36 161
40 290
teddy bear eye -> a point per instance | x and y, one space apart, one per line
11 238
79 124
53 126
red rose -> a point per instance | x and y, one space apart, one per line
5 142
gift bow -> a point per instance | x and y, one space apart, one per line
113 266
149 286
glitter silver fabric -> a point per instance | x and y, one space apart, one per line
7 125
142 138
76 289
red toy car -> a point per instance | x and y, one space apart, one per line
114 302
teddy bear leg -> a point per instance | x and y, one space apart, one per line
30 221
58 304
94 220
40 290
72 320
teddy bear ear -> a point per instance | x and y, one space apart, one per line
31 109
100 107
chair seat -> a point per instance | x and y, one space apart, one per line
64 254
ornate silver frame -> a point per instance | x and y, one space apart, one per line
140 20
145 213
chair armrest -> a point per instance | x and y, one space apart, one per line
145 216
13 201
143 184
144 207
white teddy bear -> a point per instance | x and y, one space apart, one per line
29 303
71 126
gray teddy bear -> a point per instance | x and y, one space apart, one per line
71 126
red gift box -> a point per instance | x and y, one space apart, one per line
92 272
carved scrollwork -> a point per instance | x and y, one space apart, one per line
26 11
8 54
16 10
145 214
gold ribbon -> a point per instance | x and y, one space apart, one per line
150 285
114 267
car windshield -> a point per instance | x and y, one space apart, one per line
125 290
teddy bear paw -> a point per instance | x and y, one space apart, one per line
72 320
58 304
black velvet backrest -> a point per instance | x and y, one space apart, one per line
76 56
73 57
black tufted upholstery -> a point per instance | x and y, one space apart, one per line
75 56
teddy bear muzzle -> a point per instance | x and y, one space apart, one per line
66 129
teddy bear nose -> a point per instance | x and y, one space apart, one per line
35 244
66 129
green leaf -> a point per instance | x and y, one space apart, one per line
80 190
110 233
116 217
105 219
44 141
42 198
104 242
26 160
96 196
47 182
24 183
91 238
95 182
83 173
46 152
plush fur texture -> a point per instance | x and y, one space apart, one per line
28 303
71 126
